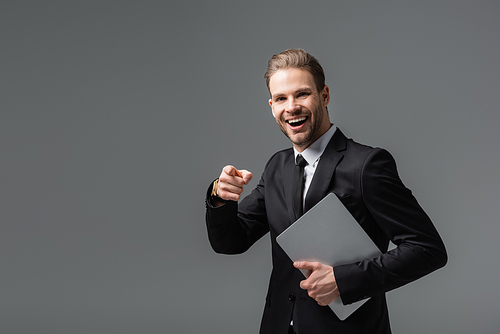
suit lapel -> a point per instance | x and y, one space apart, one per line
325 170
322 177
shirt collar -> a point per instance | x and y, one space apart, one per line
316 149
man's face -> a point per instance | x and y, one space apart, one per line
298 107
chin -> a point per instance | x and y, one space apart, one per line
300 142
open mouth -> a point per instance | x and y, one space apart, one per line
297 121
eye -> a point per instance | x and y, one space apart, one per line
280 99
303 95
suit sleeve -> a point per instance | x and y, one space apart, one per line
233 228
419 250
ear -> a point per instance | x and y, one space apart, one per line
271 105
325 95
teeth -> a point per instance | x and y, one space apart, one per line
296 120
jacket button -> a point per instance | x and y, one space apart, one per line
291 297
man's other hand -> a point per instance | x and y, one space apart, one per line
320 284
231 182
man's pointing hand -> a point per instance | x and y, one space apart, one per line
231 182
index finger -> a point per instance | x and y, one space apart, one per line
246 175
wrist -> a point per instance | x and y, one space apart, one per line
214 197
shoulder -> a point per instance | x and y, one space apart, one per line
367 153
275 166
280 158
358 156
355 151
370 163
359 151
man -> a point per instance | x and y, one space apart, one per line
366 181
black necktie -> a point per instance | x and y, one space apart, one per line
298 185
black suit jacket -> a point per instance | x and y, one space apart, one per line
366 181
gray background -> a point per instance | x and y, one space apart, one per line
116 115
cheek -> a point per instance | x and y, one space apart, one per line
276 114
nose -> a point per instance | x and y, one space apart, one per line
291 105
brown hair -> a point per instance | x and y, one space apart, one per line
296 58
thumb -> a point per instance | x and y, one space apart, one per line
303 265
231 171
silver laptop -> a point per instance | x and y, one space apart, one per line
329 234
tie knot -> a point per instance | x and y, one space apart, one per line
300 161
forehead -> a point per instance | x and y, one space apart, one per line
289 80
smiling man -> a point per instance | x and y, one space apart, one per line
322 160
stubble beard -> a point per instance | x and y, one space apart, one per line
314 130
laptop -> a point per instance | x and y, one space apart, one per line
329 234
